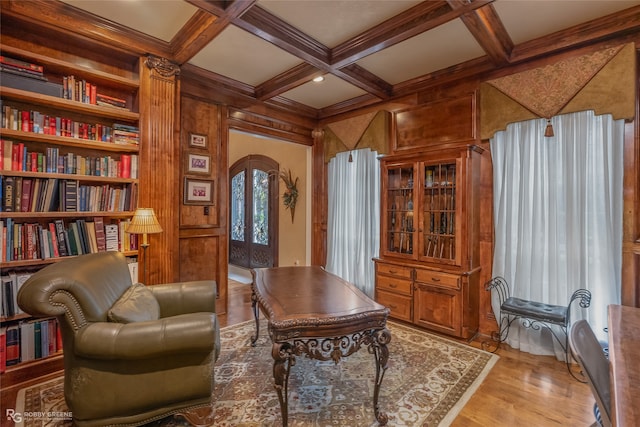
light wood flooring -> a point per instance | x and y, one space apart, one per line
520 390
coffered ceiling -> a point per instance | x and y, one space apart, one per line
367 51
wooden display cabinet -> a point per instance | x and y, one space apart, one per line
428 270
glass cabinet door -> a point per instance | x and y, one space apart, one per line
400 215
438 214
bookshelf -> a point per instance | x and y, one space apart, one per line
81 155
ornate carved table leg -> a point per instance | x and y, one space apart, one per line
256 314
379 348
283 360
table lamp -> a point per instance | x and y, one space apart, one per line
144 222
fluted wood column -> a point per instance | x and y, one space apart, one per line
160 163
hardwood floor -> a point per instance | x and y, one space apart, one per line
521 389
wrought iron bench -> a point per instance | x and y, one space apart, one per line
534 315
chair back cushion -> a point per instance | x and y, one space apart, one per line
84 288
137 304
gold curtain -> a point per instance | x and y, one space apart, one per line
366 131
603 81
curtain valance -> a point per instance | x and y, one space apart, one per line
366 131
603 81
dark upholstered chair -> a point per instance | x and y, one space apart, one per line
587 350
132 353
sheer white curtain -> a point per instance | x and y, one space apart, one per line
558 216
353 223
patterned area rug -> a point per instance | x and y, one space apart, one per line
428 381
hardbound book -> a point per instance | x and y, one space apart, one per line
27 341
63 245
3 349
30 84
8 188
13 345
100 235
111 236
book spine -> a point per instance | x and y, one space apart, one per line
13 345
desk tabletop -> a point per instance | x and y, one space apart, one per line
313 302
624 351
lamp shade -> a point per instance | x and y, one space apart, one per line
144 221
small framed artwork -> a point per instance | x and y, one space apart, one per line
197 140
197 163
198 191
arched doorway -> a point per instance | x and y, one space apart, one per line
253 225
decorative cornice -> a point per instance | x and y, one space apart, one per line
162 66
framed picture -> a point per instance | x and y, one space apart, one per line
197 140
198 191
197 163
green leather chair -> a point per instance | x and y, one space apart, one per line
132 353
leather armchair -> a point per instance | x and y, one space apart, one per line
158 364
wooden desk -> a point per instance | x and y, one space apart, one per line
624 354
316 313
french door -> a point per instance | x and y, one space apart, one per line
253 226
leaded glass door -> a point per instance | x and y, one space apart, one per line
253 223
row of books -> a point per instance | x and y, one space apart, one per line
10 284
125 134
82 91
23 68
36 122
23 194
12 281
73 88
29 340
35 241
16 157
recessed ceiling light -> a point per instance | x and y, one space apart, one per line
318 79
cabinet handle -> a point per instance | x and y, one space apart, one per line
393 271
393 285
435 279
393 307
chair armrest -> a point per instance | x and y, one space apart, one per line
185 297
188 333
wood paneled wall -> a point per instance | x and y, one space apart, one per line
203 228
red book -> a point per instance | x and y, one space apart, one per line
58 337
21 64
25 116
93 94
125 161
52 326
12 346
15 157
25 204
34 161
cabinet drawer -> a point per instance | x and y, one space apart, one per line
394 270
394 284
436 278
399 305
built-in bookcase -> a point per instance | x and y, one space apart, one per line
69 173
